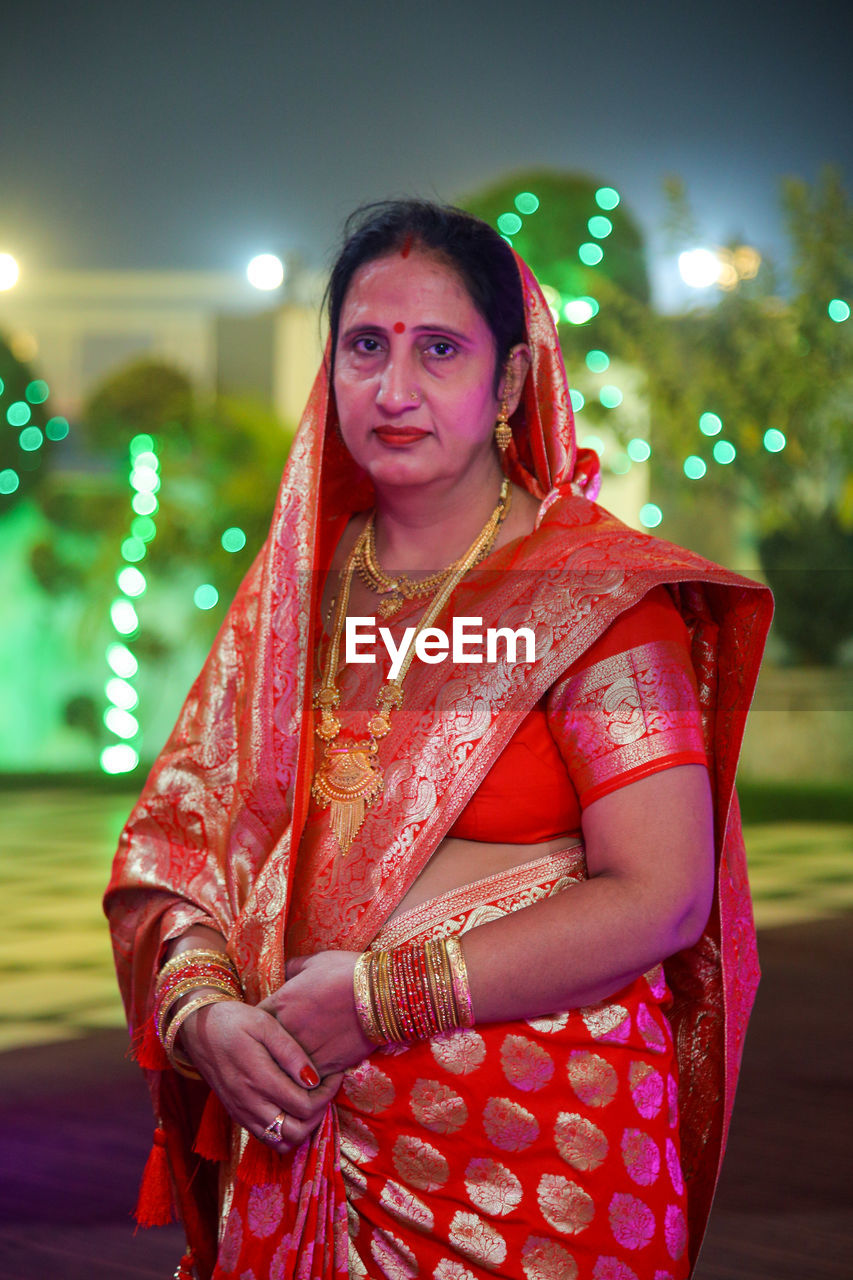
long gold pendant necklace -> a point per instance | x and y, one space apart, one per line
348 778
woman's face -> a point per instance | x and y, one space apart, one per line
415 373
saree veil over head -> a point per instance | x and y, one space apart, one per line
215 835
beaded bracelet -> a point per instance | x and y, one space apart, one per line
412 993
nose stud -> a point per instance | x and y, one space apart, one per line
413 395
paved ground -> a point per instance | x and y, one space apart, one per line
74 1117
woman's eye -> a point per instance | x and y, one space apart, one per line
441 348
366 346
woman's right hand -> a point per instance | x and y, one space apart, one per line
257 1069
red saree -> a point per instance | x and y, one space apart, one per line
218 837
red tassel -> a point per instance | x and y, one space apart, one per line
213 1140
147 1049
186 1266
154 1206
260 1165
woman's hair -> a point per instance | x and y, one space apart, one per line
476 252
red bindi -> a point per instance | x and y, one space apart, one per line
399 327
407 246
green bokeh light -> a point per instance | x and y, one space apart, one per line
121 661
141 444
580 310
509 224
590 254
144 504
234 539
724 452
599 226
597 361
639 450
710 424
205 596
30 439
121 693
577 399
2 386
650 515
610 396
143 528
38 391
620 465
133 549
131 582
774 441
56 428
838 310
607 197
18 414
526 202
124 617
146 458
144 479
119 758
694 467
9 480
121 722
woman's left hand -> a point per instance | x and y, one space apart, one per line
316 1006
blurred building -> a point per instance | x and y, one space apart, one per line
77 327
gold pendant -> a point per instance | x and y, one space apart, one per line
389 605
348 780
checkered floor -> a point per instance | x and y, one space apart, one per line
55 853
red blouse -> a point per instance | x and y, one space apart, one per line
626 709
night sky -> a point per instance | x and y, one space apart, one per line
193 135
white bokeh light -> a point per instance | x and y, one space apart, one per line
265 271
699 268
8 271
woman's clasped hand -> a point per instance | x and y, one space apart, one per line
258 1069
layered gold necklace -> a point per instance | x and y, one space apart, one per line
348 777
401 587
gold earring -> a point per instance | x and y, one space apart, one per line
503 431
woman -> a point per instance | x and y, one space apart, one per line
508 1104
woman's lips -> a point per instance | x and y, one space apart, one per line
399 435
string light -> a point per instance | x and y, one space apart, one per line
650 515
639 450
838 310
526 202
206 596
724 452
694 467
122 697
509 223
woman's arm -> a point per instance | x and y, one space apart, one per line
650 858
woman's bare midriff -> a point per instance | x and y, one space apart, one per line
460 862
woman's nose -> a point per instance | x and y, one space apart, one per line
398 388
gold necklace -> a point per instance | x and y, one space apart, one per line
401 587
348 778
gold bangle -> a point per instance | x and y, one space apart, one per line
182 1064
363 1001
459 978
194 954
184 987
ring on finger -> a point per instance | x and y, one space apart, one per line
272 1133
